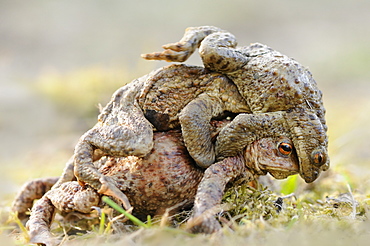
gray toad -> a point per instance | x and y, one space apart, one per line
275 87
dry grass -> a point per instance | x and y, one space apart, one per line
327 212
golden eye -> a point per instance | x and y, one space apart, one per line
285 148
318 159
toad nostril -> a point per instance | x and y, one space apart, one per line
325 167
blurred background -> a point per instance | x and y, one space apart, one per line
60 59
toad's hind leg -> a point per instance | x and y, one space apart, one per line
216 47
86 172
70 196
246 128
210 192
39 223
195 126
31 191
182 50
219 54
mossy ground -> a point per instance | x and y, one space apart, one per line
329 212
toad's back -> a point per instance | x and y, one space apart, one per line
168 90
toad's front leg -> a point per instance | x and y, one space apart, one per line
210 192
87 173
122 130
195 126
217 49
29 192
247 128
219 53
39 223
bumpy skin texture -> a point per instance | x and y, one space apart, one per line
30 191
190 96
269 82
157 181
167 98
165 178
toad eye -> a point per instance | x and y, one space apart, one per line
285 148
318 158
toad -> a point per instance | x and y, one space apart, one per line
277 89
188 97
164 178
173 97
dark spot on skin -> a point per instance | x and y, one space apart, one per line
312 117
154 100
215 171
225 66
168 57
273 89
297 94
212 58
219 60
159 120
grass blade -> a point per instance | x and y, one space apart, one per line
114 205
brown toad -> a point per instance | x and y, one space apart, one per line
166 177
269 82
173 96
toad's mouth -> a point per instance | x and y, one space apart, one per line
282 174
281 171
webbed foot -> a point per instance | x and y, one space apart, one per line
110 189
182 50
200 224
43 237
